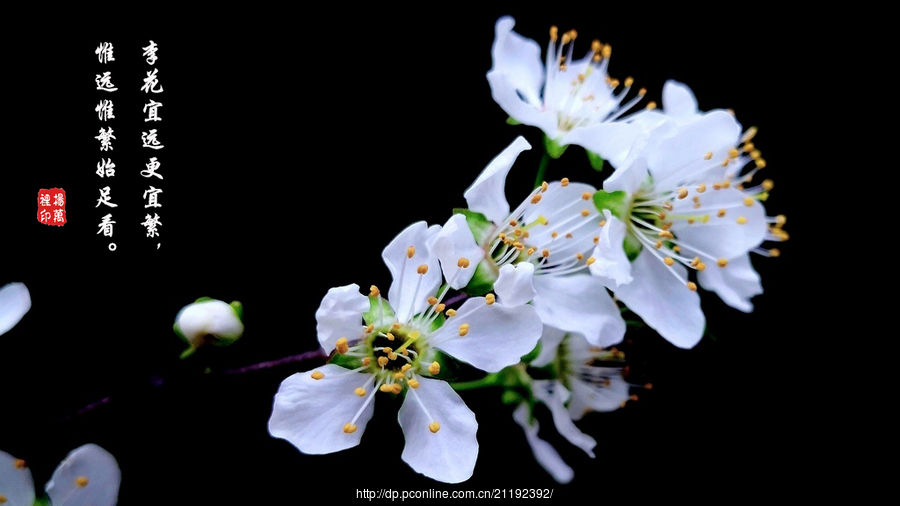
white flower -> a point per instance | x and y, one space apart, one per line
572 101
536 251
579 387
209 320
89 475
327 409
15 301
677 207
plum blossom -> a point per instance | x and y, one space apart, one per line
15 301
88 475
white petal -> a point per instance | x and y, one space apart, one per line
665 303
611 264
736 283
680 158
554 395
455 241
410 290
543 451
96 465
498 336
613 141
587 397
723 237
311 414
579 303
449 454
518 57
551 338
487 194
629 178
563 206
210 317
678 101
16 485
515 286
340 315
505 89
15 301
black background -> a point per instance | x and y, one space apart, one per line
294 151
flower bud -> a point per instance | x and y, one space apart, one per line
209 321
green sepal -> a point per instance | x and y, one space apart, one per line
203 299
632 247
178 332
238 309
595 159
483 280
553 148
187 353
480 226
374 313
345 361
512 121
511 397
42 501
616 202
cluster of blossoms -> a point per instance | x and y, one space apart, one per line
542 285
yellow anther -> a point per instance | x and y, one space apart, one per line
554 235
748 201
667 206
662 216
586 195
349 428
696 199
382 361
406 367
373 291
606 52
690 221
565 38
658 244
526 235
568 236
695 261
432 300
564 181
422 269
580 78
676 249
463 329
748 136
651 105
602 223
434 427
544 187
741 220
392 356
317 375
774 252
721 213
451 312
726 184
579 256
413 383
360 391
387 350
405 352
398 375
596 45
536 198
682 193
410 252
554 32
502 236
755 154
545 253
490 299
397 388
692 286
3 499
701 188
20 464
81 481
760 164
531 251
748 147
562 68
717 186
629 81
701 266
669 261
590 260
585 212
780 220
614 83
439 308
666 234
386 388
389 336
642 92
518 232
366 361
768 184
341 345
733 153
596 239
370 328
434 368
722 262
519 246
666 226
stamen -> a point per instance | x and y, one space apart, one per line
20 464
349 428
564 182
536 199
341 345
451 312
586 195
692 286
373 291
382 361
317 375
422 269
434 368
722 262
410 252
489 298
434 427
81 481
741 220
413 383
463 329
360 391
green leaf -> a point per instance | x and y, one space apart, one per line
483 280
375 313
595 159
512 121
553 148
480 226
617 203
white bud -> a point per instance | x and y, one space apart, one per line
209 319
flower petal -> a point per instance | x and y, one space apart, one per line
453 242
554 395
487 194
89 475
15 301
678 101
587 397
573 220
736 283
340 315
515 285
16 483
629 178
449 454
506 89
727 236
410 290
611 264
543 451
311 414
680 157
551 338
579 303
613 140
664 302
497 336
520 58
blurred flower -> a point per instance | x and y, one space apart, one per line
391 348
209 321
89 475
15 301
572 101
